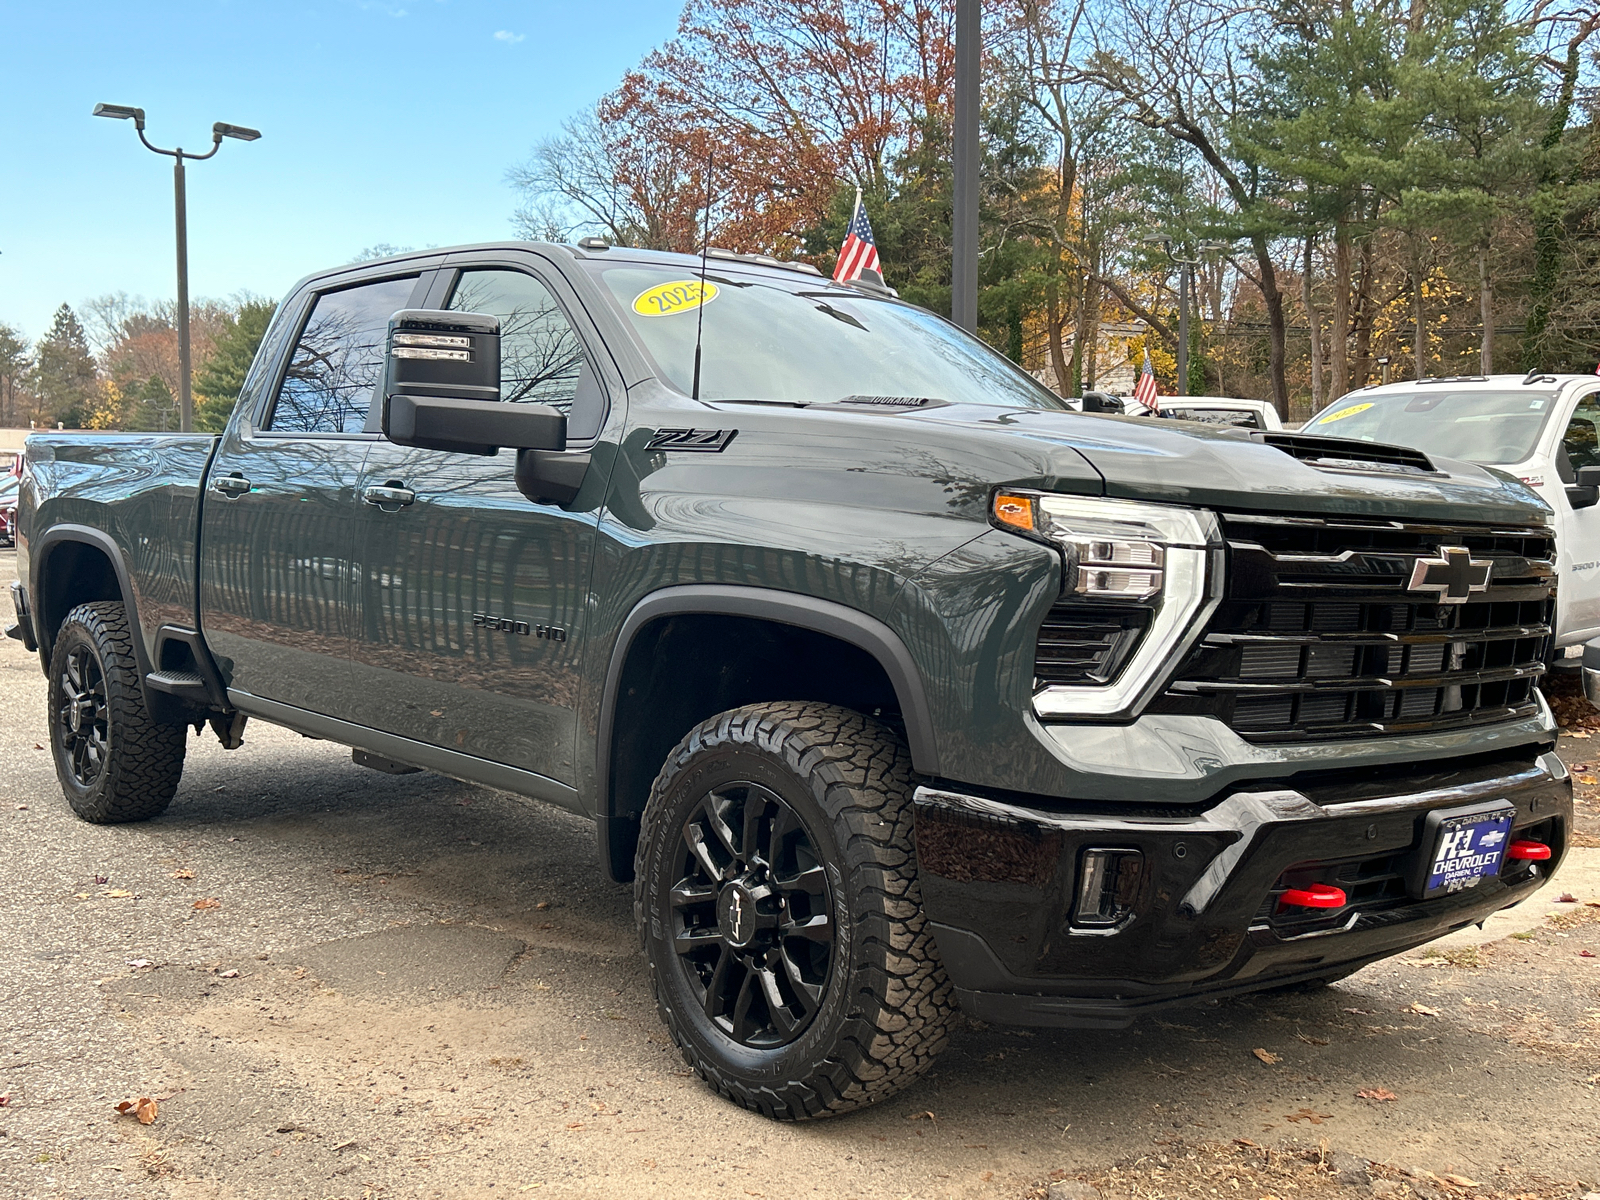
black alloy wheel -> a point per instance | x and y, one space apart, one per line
776 894
752 920
83 718
115 761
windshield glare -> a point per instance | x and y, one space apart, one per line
1493 428
806 342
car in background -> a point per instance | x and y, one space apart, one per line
8 510
1206 410
1542 428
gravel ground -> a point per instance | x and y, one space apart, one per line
337 983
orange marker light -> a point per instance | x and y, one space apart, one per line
1016 511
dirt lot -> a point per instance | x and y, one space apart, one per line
337 983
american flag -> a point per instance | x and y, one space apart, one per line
859 252
1145 390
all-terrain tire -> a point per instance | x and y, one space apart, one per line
886 1004
116 763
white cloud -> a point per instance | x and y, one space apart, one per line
506 36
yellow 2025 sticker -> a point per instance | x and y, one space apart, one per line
1343 413
680 295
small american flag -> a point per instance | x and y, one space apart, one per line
859 252
1145 390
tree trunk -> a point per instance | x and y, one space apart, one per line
1363 319
1091 353
1339 335
1486 301
1419 334
1052 319
1314 322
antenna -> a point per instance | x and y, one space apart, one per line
700 309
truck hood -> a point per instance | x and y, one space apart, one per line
1178 462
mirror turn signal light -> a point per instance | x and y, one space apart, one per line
1531 851
1317 895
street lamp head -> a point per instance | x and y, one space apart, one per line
222 129
1212 247
121 112
1157 237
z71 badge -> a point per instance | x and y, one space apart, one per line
554 633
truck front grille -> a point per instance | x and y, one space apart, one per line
1319 637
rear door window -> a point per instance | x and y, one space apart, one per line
338 360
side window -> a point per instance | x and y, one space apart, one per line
1582 439
541 359
336 364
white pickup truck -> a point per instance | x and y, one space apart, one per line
1544 429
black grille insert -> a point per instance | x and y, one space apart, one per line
1319 636
1086 643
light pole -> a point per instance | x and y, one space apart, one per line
219 131
964 214
1186 268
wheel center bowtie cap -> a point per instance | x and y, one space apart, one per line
736 915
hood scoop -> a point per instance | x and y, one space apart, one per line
1347 454
903 402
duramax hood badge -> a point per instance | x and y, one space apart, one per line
1454 575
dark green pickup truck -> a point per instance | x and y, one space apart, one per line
893 685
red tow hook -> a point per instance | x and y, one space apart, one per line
1533 851
1318 895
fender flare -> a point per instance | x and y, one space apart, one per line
806 612
40 553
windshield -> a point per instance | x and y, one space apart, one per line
1495 428
806 342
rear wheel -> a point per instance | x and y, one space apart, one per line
114 762
777 897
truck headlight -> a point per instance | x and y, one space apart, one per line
1158 562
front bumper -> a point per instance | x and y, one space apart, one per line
1000 879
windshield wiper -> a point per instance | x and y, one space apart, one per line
824 307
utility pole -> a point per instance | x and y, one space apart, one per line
219 131
1186 268
964 234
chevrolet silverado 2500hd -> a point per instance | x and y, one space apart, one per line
890 683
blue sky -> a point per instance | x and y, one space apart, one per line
382 121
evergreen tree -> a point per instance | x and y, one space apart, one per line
218 381
16 361
64 375
152 409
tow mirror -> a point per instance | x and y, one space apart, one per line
442 388
1585 491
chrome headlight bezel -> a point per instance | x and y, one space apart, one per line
1121 553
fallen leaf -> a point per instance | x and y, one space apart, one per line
102 879
144 1108
1459 1180
5 1099
1578 734
231 974
36 746
1417 1006
1566 898
1247 1142
22 808
138 964
183 873
209 902
80 895
1585 953
1311 1041
1306 1114
1267 1056
1360 1012
923 1115
1590 780
542 904
576 1125
117 894
1376 1094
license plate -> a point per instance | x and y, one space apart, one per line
1467 846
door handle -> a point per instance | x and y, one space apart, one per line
388 494
232 486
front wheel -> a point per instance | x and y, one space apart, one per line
115 762
777 898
